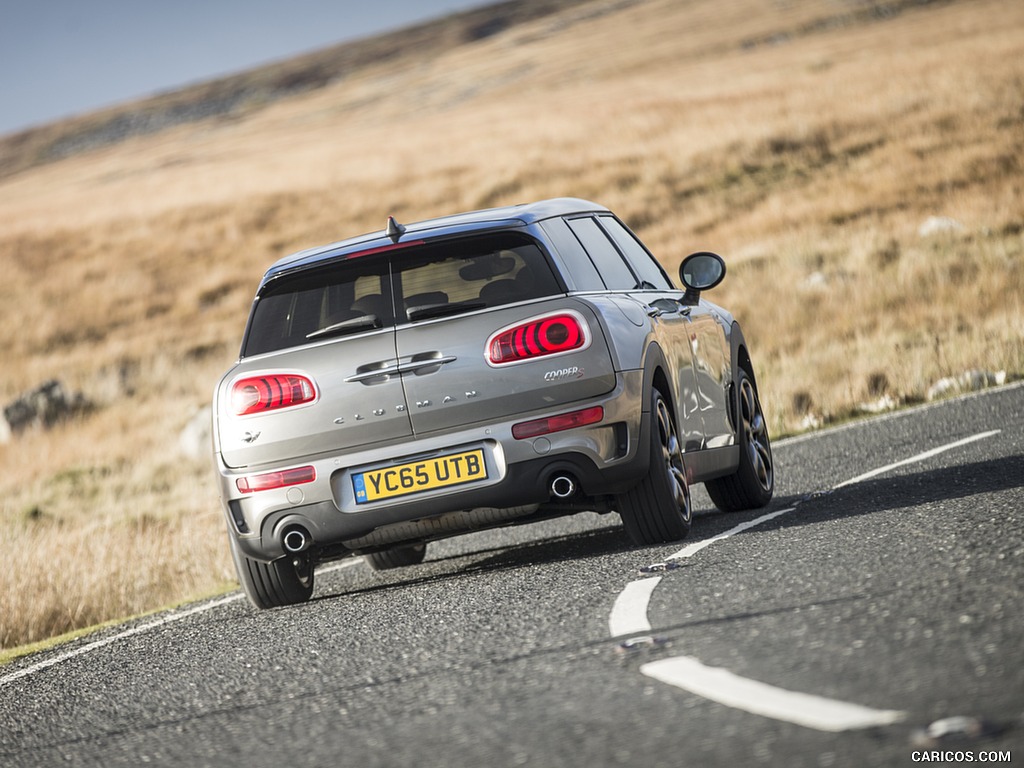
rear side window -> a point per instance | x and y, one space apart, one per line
417 283
456 276
647 269
617 276
581 269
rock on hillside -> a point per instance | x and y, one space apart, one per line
43 407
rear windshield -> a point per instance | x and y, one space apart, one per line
407 285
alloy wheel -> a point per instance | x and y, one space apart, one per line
673 458
755 432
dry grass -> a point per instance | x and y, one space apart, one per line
806 141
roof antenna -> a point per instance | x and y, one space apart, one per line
394 230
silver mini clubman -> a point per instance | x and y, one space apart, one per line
478 370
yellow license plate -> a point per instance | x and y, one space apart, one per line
416 476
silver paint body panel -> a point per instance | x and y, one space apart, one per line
423 387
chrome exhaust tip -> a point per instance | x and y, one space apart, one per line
563 486
295 539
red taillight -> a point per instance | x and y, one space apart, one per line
258 394
558 423
272 480
549 335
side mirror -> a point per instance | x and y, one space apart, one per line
700 271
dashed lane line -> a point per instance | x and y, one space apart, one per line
918 458
629 613
804 709
692 549
629 617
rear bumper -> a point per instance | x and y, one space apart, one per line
602 459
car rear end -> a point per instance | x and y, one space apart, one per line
398 390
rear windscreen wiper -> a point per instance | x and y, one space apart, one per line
361 323
440 310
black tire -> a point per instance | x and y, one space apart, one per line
397 557
657 509
285 581
753 483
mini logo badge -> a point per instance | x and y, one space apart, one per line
574 372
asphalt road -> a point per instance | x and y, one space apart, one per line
832 631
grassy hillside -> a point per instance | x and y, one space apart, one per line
240 95
807 141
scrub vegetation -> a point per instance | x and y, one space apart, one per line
807 141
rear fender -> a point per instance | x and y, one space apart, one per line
655 367
655 370
740 359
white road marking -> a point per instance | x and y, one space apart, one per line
918 458
161 622
629 616
629 613
691 549
89 647
896 415
723 686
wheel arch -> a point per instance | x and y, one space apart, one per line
740 360
655 375
752 484
740 353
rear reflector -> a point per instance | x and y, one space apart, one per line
559 423
258 394
538 337
272 480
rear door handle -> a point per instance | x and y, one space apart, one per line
420 363
365 373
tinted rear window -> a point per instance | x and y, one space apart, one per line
406 285
347 297
474 273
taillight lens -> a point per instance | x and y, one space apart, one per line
563 421
272 480
548 335
258 394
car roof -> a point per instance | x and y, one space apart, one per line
490 218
